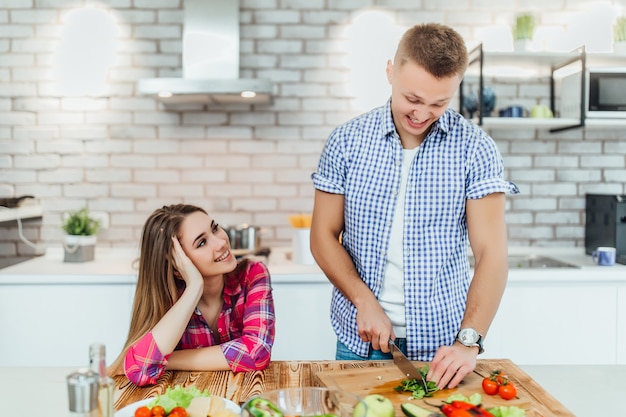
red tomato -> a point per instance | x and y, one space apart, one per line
157 410
490 386
507 391
178 412
143 412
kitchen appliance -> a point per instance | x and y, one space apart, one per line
210 55
605 223
602 95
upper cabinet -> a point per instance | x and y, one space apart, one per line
556 75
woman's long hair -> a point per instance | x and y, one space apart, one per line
157 287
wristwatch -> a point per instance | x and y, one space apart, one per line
470 338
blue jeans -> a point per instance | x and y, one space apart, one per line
345 354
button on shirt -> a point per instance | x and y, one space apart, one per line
362 160
245 326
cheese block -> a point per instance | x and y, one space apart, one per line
199 407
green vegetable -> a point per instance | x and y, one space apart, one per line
507 411
475 399
178 397
260 407
415 386
412 410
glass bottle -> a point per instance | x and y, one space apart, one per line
97 363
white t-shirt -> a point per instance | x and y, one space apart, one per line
392 293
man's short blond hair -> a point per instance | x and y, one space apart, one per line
437 48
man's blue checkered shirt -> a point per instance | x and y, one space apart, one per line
457 161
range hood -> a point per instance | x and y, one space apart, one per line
210 60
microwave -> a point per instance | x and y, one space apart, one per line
605 93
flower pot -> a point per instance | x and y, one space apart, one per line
521 45
79 248
619 47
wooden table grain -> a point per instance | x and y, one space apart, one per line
238 387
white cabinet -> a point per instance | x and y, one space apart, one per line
54 324
621 326
303 329
560 323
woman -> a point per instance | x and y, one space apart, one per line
195 307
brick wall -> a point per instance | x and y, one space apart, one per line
124 155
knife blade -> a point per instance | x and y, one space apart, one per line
404 364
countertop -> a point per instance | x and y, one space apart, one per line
587 391
118 266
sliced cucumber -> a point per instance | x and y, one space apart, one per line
412 410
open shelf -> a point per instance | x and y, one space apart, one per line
23 212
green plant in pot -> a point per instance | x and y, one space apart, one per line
80 240
619 34
523 30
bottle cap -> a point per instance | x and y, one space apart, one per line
82 388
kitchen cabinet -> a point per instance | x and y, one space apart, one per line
303 329
50 311
534 66
567 322
621 325
54 324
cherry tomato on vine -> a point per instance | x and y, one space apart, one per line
507 391
143 412
490 386
500 377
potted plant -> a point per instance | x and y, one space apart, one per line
523 31
80 240
619 35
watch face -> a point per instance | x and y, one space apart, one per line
468 336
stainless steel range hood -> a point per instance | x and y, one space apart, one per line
210 60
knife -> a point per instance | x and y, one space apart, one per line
404 364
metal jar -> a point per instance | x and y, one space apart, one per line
245 237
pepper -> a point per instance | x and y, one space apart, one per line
462 405
260 407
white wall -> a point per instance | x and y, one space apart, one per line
125 155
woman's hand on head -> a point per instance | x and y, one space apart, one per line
186 269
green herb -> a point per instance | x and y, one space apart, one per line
415 385
79 223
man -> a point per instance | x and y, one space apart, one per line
400 193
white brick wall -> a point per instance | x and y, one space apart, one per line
126 155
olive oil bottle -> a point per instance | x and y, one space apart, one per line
97 363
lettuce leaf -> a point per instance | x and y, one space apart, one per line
504 411
177 397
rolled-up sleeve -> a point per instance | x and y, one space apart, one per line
144 363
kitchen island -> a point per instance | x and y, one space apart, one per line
34 391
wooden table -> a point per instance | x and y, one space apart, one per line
241 386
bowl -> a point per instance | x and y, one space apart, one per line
307 402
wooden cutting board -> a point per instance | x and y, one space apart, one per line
383 380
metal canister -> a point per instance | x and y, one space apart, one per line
82 388
250 237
